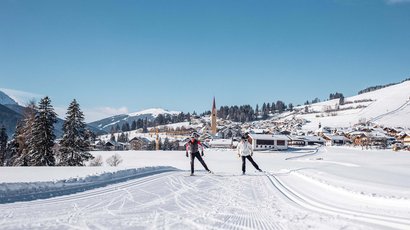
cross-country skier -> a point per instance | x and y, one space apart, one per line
245 151
192 147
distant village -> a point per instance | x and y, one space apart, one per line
269 134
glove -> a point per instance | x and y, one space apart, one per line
202 153
186 154
239 155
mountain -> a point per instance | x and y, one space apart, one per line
150 114
19 97
6 99
11 111
9 119
389 106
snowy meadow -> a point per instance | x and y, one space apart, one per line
307 188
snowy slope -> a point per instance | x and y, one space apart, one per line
20 97
326 188
5 99
150 114
389 106
154 112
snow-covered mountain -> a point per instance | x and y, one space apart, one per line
6 99
18 97
388 106
12 106
150 114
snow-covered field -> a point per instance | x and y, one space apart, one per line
324 188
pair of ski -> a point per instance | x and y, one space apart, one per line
209 172
243 174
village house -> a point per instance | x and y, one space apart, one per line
332 140
229 132
221 143
406 139
306 140
269 142
138 143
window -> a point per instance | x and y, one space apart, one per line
265 142
280 142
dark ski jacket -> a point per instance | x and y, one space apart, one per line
193 146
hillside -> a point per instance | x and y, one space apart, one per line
6 99
9 119
12 109
388 106
150 114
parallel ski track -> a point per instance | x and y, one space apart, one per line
100 191
381 220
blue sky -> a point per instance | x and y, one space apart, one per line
125 56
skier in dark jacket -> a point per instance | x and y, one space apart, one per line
192 147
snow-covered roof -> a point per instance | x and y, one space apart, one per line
337 137
220 142
268 137
313 138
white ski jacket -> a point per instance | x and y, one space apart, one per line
244 149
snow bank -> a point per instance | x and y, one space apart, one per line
13 192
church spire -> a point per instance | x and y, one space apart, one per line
213 118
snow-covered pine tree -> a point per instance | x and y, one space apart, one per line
13 149
167 144
23 135
42 140
3 145
74 145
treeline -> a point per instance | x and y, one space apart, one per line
246 113
373 88
33 143
143 124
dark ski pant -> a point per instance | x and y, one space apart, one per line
197 155
244 163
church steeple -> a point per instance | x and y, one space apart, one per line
213 118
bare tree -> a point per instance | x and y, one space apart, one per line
114 160
97 161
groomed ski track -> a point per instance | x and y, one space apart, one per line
174 200
317 206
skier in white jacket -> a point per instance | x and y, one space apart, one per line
245 151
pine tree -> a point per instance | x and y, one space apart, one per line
23 135
140 123
12 150
342 100
290 106
273 107
3 145
280 106
112 138
125 127
117 128
133 125
145 126
166 145
42 141
257 110
74 144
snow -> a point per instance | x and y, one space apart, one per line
310 187
154 112
6 100
388 106
22 98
